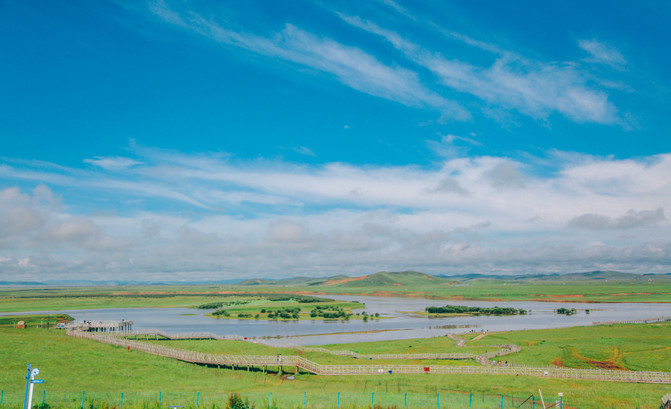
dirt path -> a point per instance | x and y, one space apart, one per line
479 337
460 341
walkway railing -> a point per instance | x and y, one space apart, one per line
425 356
318 369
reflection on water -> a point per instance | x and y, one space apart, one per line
399 322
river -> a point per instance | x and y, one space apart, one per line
396 322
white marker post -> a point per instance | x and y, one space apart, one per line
30 381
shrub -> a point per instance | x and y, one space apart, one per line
235 401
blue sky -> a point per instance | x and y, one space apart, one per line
214 140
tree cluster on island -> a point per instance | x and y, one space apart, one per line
462 309
215 305
566 311
329 312
285 313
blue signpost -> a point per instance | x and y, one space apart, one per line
30 381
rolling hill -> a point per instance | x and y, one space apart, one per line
381 279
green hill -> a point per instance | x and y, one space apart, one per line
383 278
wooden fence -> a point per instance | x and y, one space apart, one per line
483 358
155 333
356 355
641 321
318 369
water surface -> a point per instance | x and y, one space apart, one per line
397 323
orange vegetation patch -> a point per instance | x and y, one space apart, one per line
558 362
345 280
565 295
605 364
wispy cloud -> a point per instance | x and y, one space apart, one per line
602 53
304 150
533 88
117 163
349 65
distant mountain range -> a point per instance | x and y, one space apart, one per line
373 280
405 278
381 279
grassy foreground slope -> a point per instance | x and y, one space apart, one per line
75 365
635 347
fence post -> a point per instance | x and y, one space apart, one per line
2 395
405 400
121 406
338 399
44 392
502 396
372 399
160 393
197 398
83 397
438 401
305 398
533 402
470 400
561 401
270 402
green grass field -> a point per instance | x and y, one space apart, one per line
40 299
72 365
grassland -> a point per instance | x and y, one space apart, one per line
47 299
73 365
76 365
284 308
18 300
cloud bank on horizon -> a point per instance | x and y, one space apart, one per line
202 140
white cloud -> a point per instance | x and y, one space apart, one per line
115 163
349 65
602 53
533 88
483 213
304 150
630 220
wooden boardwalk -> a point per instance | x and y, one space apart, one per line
156 333
318 369
641 321
425 356
99 326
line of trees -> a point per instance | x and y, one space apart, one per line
214 305
329 312
286 313
462 309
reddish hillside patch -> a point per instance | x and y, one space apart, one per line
345 280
